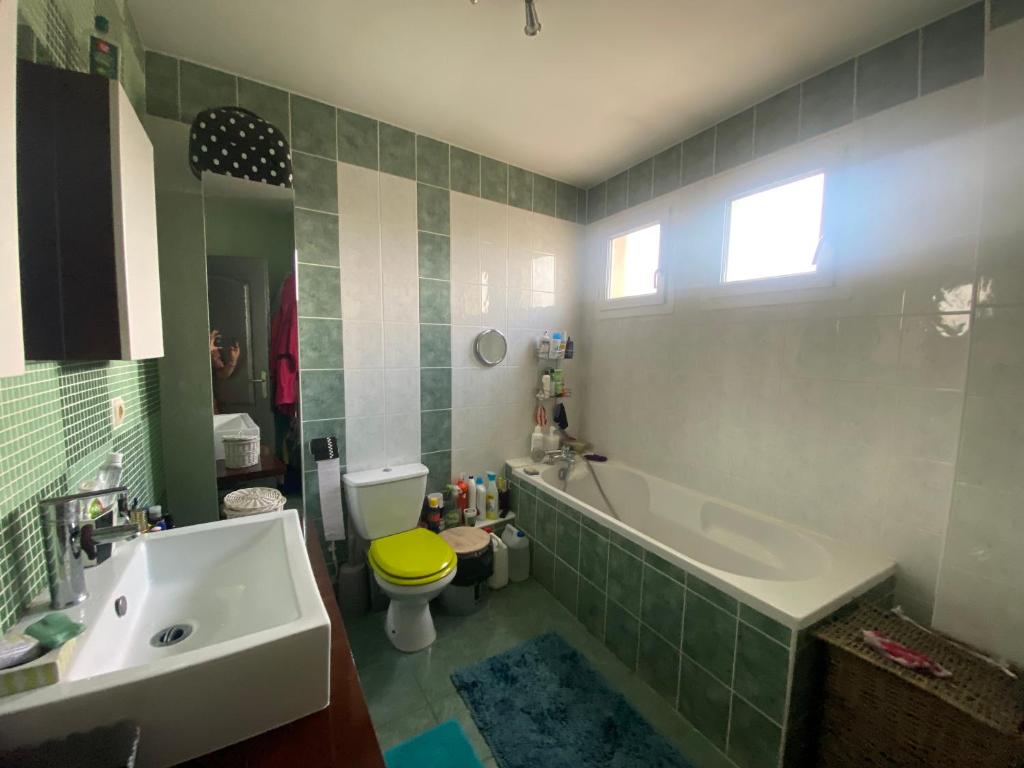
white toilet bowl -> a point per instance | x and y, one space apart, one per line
409 625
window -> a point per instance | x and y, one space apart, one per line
634 268
776 232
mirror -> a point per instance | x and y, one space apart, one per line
490 347
250 252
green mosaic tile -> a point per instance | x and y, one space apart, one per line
709 637
754 740
546 524
323 394
313 127
567 198
316 238
320 343
762 668
704 701
436 346
567 584
520 188
542 567
770 627
433 209
435 301
668 169
593 556
596 202
435 431
662 606
621 634
357 139
667 568
568 546
713 594
545 195
590 609
319 291
658 664
316 182
625 574
640 183
435 389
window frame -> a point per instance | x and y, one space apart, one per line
822 277
648 301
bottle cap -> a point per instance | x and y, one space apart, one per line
116 458
492 476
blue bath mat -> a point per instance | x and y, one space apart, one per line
443 747
542 704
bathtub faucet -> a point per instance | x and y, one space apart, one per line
567 456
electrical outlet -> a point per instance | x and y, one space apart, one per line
117 412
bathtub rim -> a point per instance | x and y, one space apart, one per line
858 571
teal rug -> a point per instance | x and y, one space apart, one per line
542 704
443 747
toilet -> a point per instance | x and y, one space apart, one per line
411 565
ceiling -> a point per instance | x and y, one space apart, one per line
605 84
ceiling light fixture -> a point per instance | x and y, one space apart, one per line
532 20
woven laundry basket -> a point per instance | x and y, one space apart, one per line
241 451
252 501
878 714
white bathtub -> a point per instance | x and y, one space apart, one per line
789 573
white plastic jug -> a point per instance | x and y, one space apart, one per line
518 553
499 578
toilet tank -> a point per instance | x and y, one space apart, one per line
385 501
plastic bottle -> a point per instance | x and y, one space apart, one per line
551 439
103 53
545 385
518 553
537 444
544 345
568 348
107 476
469 517
481 497
556 345
471 492
499 576
462 501
492 496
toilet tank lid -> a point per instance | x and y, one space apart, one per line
383 475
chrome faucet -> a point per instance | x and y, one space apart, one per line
566 455
67 542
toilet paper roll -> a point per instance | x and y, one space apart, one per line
329 479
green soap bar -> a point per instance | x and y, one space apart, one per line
53 630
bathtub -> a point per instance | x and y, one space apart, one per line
793 575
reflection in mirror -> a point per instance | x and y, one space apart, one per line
251 296
490 346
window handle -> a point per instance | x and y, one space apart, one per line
657 279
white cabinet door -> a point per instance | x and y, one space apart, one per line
138 268
12 347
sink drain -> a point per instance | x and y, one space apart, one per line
171 635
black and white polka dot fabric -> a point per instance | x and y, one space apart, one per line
236 142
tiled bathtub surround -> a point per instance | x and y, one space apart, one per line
741 678
941 54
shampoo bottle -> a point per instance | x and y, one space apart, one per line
471 492
481 497
492 496
537 444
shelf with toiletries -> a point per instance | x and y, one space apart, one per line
555 345
482 522
563 396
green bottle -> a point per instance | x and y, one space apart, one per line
103 54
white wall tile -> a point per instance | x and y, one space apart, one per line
402 390
364 390
365 443
363 345
401 345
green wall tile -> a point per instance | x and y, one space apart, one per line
434 256
432 162
594 556
316 237
525 514
762 669
640 182
662 606
709 637
777 121
202 87
567 582
1003 12
323 394
566 201
543 568
616 193
590 609
494 180
827 100
699 156
314 127
767 625
595 526
436 346
357 139
887 76
435 389
435 301
623 543
316 182
161 85
953 49
520 188
568 548
704 701
621 633
668 169
658 664
439 467
465 173
269 103
397 151
547 524
545 195
435 431
581 206
433 209
713 594
754 740
319 291
320 343
667 568
625 573
734 141
596 202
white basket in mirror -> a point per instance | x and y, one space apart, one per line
252 501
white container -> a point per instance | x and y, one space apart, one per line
518 553
471 493
499 578
551 439
240 424
481 498
537 443
241 451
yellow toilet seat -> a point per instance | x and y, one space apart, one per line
412 558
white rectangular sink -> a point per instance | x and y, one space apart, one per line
254 653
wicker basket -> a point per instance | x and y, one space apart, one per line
252 501
241 451
878 714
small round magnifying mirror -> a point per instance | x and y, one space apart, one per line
490 347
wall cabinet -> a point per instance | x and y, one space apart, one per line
90 286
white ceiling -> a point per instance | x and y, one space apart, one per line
605 84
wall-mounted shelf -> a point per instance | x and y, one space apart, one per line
564 396
485 523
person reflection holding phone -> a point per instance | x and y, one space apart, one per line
223 361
